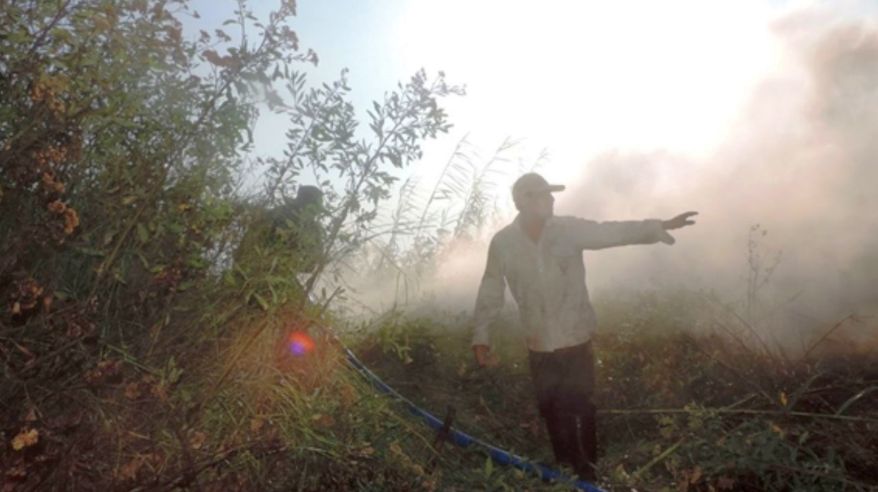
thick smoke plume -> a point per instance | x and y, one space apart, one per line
801 161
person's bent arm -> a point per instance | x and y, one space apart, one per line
489 302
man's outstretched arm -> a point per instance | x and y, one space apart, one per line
597 235
489 302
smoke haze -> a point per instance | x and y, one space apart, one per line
800 160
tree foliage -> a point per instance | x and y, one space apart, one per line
123 142
322 141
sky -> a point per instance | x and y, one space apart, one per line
751 112
572 78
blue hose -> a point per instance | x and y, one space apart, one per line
465 440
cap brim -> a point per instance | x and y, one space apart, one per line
554 188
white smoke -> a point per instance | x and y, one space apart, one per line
801 160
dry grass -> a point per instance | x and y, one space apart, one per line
677 410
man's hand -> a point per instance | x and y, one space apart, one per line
679 221
484 357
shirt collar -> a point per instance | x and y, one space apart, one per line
520 227
517 220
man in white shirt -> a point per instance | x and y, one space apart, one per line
540 256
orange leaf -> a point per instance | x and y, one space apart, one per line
25 439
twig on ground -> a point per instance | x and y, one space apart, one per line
667 452
823 338
742 411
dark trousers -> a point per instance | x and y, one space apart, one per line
564 382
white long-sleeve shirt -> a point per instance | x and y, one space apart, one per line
547 278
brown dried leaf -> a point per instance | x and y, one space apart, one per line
71 221
159 391
323 420
683 485
106 370
197 440
130 469
777 429
348 394
696 475
25 439
132 391
57 207
395 448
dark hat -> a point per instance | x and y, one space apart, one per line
532 183
309 194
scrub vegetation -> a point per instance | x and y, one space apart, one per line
681 406
144 347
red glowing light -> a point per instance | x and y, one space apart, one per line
300 343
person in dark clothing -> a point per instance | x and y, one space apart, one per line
296 226
539 256
292 229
